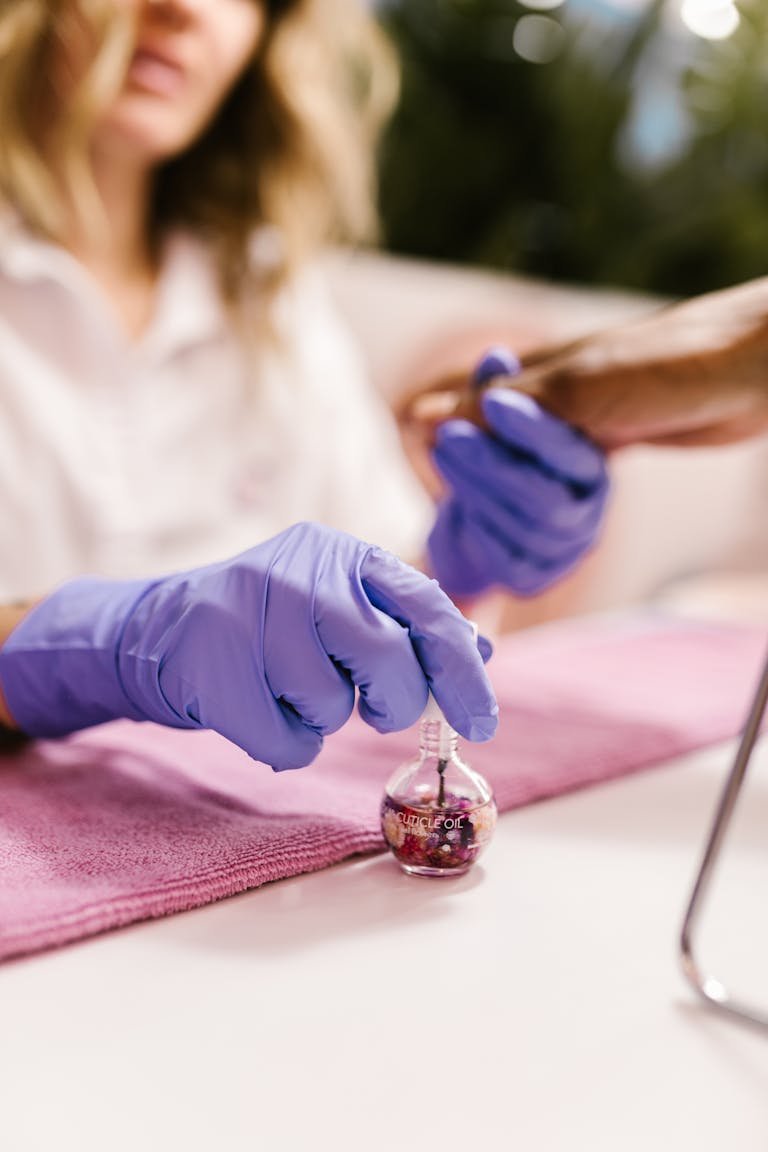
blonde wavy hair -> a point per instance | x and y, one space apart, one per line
292 148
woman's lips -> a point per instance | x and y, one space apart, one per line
154 73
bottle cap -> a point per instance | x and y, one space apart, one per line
433 710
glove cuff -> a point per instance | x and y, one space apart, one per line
59 667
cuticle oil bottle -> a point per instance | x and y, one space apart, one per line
437 814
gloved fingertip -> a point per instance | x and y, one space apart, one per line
584 466
451 432
500 403
303 755
470 706
483 729
479 726
386 720
497 361
484 647
522 423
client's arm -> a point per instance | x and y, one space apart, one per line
692 373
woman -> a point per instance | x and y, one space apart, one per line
175 387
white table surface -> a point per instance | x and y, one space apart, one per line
535 1004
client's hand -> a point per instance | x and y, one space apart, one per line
695 373
266 648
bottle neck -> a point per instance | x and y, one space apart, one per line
437 738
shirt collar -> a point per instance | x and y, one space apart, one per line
27 257
189 308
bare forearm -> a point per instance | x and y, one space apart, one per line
696 372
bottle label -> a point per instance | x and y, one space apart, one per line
423 825
444 839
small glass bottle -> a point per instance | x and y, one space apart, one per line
437 814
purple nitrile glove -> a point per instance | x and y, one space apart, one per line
266 648
525 500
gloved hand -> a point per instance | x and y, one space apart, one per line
524 500
265 648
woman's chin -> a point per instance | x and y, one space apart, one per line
144 139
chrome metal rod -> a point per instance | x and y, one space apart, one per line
710 989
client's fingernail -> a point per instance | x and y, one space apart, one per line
432 407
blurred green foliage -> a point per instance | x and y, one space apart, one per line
496 161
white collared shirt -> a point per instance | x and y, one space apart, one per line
126 458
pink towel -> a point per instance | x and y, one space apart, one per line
130 821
